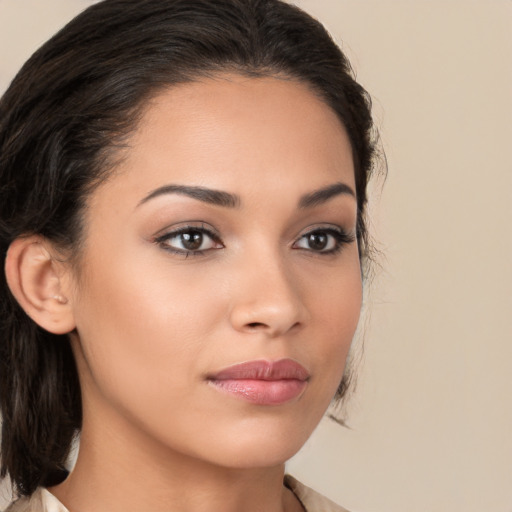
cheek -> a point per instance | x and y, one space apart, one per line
336 296
139 323
335 318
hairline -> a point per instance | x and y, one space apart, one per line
114 154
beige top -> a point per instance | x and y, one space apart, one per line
43 501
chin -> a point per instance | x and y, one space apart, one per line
261 444
260 456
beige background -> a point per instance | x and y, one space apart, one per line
431 421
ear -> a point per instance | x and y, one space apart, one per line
36 279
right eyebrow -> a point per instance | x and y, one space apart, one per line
324 194
206 195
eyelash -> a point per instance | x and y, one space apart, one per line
340 236
164 239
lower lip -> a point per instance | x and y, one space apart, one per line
262 392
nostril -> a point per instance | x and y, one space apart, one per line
255 325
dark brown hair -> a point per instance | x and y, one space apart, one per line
61 119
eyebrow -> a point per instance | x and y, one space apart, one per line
324 194
206 195
228 200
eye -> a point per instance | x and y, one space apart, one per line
324 240
189 241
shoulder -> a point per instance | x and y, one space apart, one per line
40 501
310 499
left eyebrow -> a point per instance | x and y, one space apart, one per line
323 195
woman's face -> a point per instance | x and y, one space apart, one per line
225 236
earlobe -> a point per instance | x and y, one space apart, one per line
35 279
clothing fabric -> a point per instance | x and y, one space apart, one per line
40 501
43 501
310 499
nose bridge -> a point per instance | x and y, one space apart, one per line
268 297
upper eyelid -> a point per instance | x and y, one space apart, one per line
209 230
186 226
329 230
174 233
326 227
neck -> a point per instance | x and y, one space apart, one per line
120 470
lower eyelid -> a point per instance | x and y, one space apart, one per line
170 235
341 238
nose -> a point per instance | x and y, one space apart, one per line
268 299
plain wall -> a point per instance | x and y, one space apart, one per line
431 419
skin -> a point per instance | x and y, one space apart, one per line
151 324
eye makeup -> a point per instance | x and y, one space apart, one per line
194 240
325 240
197 240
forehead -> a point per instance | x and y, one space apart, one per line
233 133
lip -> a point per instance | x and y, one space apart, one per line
262 382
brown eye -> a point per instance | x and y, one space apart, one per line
192 240
189 241
317 241
324 241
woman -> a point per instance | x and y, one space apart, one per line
182 218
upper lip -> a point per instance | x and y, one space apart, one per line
263 370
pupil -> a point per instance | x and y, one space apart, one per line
192 241
317 241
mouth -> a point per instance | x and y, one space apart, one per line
262 382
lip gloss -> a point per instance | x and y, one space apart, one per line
262 382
